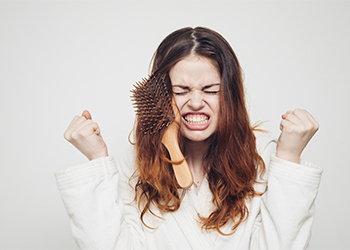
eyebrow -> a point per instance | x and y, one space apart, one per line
211 85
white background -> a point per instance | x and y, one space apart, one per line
59 58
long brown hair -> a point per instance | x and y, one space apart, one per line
232 163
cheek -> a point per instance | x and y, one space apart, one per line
215 105
179 101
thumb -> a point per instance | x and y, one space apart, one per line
87 114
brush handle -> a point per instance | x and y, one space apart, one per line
182 171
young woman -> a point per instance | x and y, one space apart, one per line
249 191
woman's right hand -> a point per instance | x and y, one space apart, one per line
85 135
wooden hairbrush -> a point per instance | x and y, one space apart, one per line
157 110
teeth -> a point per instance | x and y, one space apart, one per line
196 119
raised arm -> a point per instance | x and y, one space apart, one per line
94 193
287 207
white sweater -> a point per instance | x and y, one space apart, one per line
98 197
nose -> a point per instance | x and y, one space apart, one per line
196 101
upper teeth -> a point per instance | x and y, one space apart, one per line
197 119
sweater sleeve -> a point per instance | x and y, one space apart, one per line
288 205
93 197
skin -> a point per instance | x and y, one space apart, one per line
297 128
196 85
85 135
195 82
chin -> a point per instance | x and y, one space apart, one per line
196 136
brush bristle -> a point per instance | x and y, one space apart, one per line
153 104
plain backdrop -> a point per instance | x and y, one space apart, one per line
59 58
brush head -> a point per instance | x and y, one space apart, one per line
152 100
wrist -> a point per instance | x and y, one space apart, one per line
288 156
96 156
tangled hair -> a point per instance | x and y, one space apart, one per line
232 162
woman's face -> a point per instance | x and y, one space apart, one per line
196 85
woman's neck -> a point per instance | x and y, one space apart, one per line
195 153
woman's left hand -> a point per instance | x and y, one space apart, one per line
297 128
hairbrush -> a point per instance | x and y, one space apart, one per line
157 110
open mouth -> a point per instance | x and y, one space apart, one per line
196 118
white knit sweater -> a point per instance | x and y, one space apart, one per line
97 198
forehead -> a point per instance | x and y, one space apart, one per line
194 70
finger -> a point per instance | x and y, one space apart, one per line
310 116
91 127
78 123
283 124
308 121
87 114
72 125
312 120
286 126
292 118
301 114
285 115
96 128
85 130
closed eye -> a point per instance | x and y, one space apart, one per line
180 93
180 90
212 92
212 89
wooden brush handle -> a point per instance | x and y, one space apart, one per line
182 171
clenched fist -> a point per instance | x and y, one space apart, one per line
297 128
85 135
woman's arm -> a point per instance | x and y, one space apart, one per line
94 197
94 193
287 207
90 195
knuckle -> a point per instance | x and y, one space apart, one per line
65 134
290 114
81 133
309 126
317 126
76 118
95 124
297 111
75 135
302 129
284 123
290 129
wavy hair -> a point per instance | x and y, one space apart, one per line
232 162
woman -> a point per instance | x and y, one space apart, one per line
233 204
